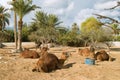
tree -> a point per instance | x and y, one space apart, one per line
90 24
62 31
70 36
4 18
22 8
45 27
91 30
3 37
25 32
110 22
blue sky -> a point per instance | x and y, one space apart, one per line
70 11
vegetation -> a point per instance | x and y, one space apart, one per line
111 22
92 31
71 37
4 18
44 27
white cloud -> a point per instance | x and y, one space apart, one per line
50 2
5 3
63 11
84 14
70 6
60 11
58 7
62 8
105 5
55 3
110 13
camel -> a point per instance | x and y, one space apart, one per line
86 52
49 62
102 56
99 56
29 54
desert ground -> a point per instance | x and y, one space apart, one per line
13 67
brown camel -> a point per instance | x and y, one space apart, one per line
86 52
99 56
29 54
49 62
102 56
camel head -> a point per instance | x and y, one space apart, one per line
65 55
44 50
25 49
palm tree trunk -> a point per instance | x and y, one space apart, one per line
15 28
20 22
0 28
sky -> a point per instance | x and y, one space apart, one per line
69 11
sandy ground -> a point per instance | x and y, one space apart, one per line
12 67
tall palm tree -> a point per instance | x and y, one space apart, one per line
22 7
4 18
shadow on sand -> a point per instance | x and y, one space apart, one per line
115 49
68 65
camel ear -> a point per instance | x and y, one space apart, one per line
63 53
44 48
79 49
25 49
68 54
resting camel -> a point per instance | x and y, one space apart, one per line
102 56
49 62
99 56
86 52
29 54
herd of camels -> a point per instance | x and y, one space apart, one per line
48 62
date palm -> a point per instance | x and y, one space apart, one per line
4 18
22 8
46 24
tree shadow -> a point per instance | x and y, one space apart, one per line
115 49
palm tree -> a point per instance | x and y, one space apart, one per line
22 7
46 24
4 18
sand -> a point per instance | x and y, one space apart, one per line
12 67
